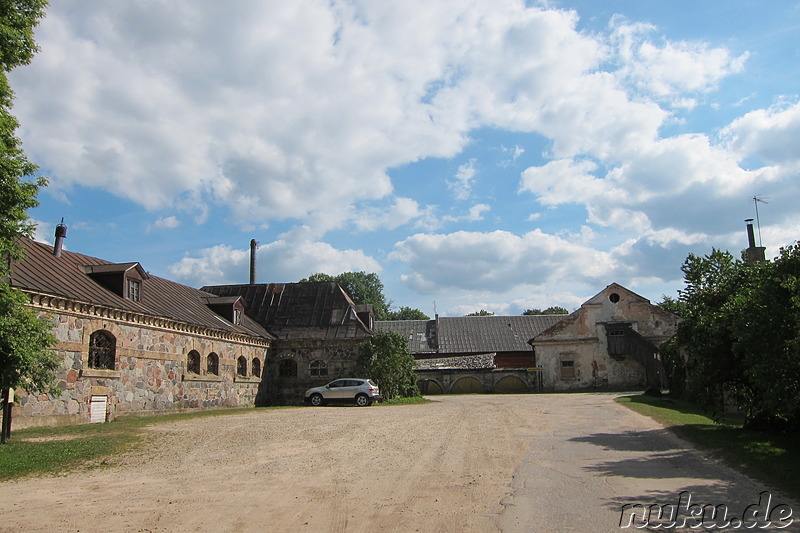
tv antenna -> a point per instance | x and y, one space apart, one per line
756 200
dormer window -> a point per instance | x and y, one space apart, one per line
231 308
123 279
134 290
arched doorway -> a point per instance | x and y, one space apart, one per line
467 385
510 385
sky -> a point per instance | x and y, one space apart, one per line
492 154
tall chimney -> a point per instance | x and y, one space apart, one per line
61 234
753 254
751 236
253 245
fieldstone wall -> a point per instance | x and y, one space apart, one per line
340 355
149 375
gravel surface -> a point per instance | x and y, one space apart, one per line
562 462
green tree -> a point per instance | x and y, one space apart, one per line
18 189
482 312
407 313
25 356
739 338
555 310
363 288
385 358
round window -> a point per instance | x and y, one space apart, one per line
614 297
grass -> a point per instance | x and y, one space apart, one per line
59 450
405 401
772 458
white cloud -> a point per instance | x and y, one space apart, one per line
669 70
400 212
277 261
769 135
496 261
297 110
474 215
168 222
461 184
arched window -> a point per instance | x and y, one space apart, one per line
287 368
193 362
212 364
102 350
241 366
318 368
257 367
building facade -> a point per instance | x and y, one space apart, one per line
131 343
611 341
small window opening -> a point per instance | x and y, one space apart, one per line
134 290
318 368
193 362
241 366
567 369
257 367
614 297
212 364
102 350
287 368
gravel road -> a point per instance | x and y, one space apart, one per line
550 463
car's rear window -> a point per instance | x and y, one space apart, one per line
372 383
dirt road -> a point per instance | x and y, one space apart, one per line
464 463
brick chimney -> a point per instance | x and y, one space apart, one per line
753 253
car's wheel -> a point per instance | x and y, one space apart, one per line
317 400
362 400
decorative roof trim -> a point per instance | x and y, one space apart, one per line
49 302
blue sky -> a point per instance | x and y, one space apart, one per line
475 155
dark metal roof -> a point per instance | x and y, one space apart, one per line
421 334
471 334
66 276
309 310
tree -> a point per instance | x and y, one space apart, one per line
385 358
555 310
407 313
17 192
363 288
739 338
482 312
25 342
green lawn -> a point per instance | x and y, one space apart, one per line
769 457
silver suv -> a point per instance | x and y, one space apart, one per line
361 391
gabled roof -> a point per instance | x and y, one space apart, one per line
470 334
574 325
70 276
312 310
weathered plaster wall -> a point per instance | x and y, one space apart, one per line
581 338
149 376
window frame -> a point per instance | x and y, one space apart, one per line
212 364
102 357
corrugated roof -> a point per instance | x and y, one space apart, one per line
471 334
320 310
67 276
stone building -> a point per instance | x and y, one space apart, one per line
130 342
317 328
611 341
